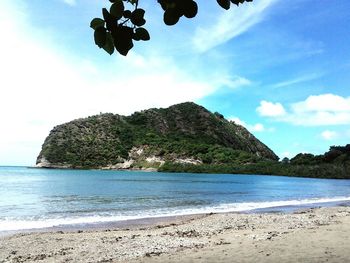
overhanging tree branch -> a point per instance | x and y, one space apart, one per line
120 26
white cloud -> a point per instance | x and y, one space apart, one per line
317 118
221 79
270 109
296 80
323 103
233 82
70 2
42 86
319 110
258 127
230 24
324 109
329 135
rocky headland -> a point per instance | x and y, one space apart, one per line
182 138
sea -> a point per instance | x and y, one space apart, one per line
33 198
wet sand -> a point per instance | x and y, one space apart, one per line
311 235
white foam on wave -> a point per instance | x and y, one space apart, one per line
15 225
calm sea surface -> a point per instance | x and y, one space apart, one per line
39 198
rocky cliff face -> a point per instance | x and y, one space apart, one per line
184 133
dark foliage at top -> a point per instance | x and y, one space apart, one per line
123 23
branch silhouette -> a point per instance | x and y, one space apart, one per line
123 23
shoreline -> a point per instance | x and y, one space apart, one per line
156 170
129 224
149 221
305 235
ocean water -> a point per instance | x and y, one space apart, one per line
41 198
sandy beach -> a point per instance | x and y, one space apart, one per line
312 235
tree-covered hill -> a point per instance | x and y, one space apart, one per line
182 138
183 133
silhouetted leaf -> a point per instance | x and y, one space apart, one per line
224 4
236 2
122 26
138 13
191 9
163 4
142 34
117 9
106 14
137 17
127 13
124 46
122 37
109 46
136 37
110 20
171 17
96 23
100 36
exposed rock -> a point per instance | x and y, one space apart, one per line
154 159
188 161
43 163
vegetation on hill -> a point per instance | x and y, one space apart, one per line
183 131
182 138
333 164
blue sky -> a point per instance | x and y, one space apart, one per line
280 68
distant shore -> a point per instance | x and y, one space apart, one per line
308 235
273 169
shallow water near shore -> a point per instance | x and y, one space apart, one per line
44 198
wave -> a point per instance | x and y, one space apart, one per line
20 224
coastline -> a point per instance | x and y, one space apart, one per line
117 222
306 235
157 170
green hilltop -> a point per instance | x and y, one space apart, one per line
183 131
182 138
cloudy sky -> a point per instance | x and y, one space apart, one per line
280 68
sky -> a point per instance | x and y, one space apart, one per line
280 68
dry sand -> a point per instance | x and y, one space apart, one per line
313 235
